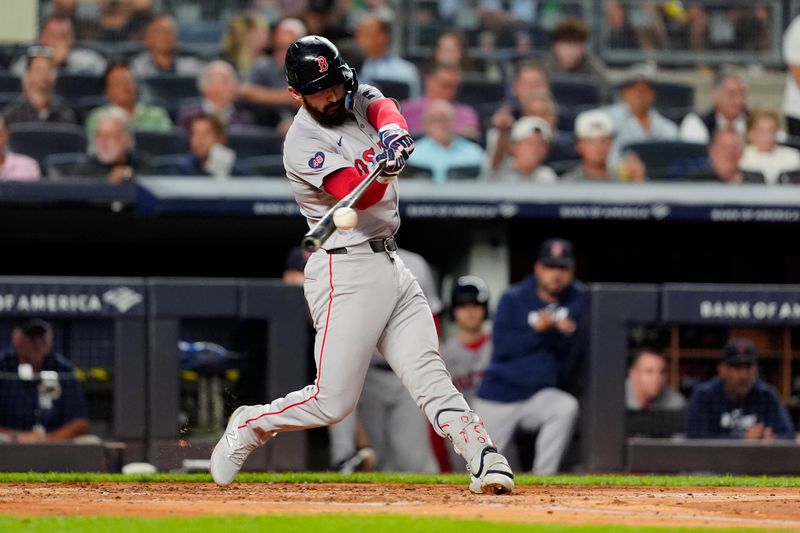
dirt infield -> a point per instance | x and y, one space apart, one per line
737 507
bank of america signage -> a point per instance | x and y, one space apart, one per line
121 299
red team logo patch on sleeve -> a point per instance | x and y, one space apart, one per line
317 161
323 63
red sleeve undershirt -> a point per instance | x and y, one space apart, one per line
340 182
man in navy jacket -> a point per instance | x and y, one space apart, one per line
534 339
737 404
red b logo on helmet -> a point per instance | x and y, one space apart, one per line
323 63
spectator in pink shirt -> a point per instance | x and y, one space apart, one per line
13 166
441 83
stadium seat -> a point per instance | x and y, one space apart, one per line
791 141
252 141
155 143
9 83
202 37
266 165
83 106
571 91
73 87
471 172
169 88
673 95
562 149
39 139
9 53
413 171
399 90
61 165
162 165
7 98
670 160
475 90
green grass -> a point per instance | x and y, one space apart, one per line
304 524
606 480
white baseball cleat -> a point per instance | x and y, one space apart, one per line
233 448
495 475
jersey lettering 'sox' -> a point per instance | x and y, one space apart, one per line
368 157
322 63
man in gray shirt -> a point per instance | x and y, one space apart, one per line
646 387
594 134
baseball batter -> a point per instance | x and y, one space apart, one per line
360 293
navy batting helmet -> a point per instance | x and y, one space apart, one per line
314 64
470 290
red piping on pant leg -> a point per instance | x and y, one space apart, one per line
321 352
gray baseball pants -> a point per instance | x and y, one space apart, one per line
359 301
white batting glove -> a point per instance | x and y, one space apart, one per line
393 137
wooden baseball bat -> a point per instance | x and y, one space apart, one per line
322 230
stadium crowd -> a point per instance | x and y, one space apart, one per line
519 96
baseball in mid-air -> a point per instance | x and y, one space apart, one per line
345 218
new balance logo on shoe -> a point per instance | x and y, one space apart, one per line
232 436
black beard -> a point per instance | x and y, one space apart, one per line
334 114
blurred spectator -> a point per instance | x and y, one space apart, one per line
762 153
724 154
39 409
37 102
122 92
245 39
208 155
737 404
467 354
568 53
594 133
729 111
117 20
635 117
218 85
791 95
531 78
530 141
534 335
536 103
58 35
15 167
451 49
328 18
294 271
161 56
386 405
113 157
266 82
441 149
374 39
441 83
646 387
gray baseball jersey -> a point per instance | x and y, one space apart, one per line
466 364
312 151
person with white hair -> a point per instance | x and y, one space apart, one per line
218 86
113 157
